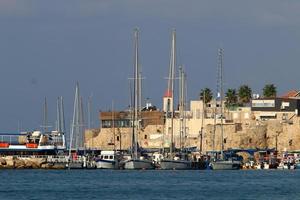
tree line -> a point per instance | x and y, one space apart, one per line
240 96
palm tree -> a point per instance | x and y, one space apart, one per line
231 97
244 94
206 94
269 90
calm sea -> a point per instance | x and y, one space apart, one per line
144 185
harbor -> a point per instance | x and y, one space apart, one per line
227 130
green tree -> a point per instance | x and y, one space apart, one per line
269 90
244 94
231 98
206 94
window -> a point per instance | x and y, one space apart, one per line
118 138
250 140
224 141
111 157
198 113
145 137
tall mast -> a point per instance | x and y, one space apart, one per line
136 87
171 86
89 105
113 123
62 115
220 68
45 116
76 136
58 115
182 94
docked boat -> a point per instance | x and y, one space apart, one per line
107 160
139 163
175 164
136 161
172 161
224 162
33 142
225 165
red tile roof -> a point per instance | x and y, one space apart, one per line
290 94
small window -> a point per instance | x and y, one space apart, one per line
224 140
145 137
111 157
105 157
118 138
290 142
250 140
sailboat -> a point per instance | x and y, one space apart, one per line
76 134
174 162
223 163
136 161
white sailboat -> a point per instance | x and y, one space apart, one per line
176 162
76 134
136 161
223 163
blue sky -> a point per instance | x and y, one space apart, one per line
46 46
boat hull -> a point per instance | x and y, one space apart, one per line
138 164
74 165
175 164
225 165
105 164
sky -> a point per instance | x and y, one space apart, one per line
46 46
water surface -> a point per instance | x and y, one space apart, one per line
156 184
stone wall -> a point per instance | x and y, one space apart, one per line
247 134
120 138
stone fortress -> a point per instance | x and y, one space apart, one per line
264 124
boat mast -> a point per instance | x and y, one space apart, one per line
45 117
202 121
77 122
136 87
113 123
181 104
60 115
220 56
170 91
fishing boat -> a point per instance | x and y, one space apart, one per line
107 160
136 161
175 162
223 162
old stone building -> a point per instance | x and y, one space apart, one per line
277 126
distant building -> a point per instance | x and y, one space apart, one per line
283 107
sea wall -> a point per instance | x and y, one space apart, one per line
15 162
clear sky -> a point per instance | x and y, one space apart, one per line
46 46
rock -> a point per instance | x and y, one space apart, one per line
10 162
28 163
2 161
19 163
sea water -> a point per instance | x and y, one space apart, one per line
144 185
